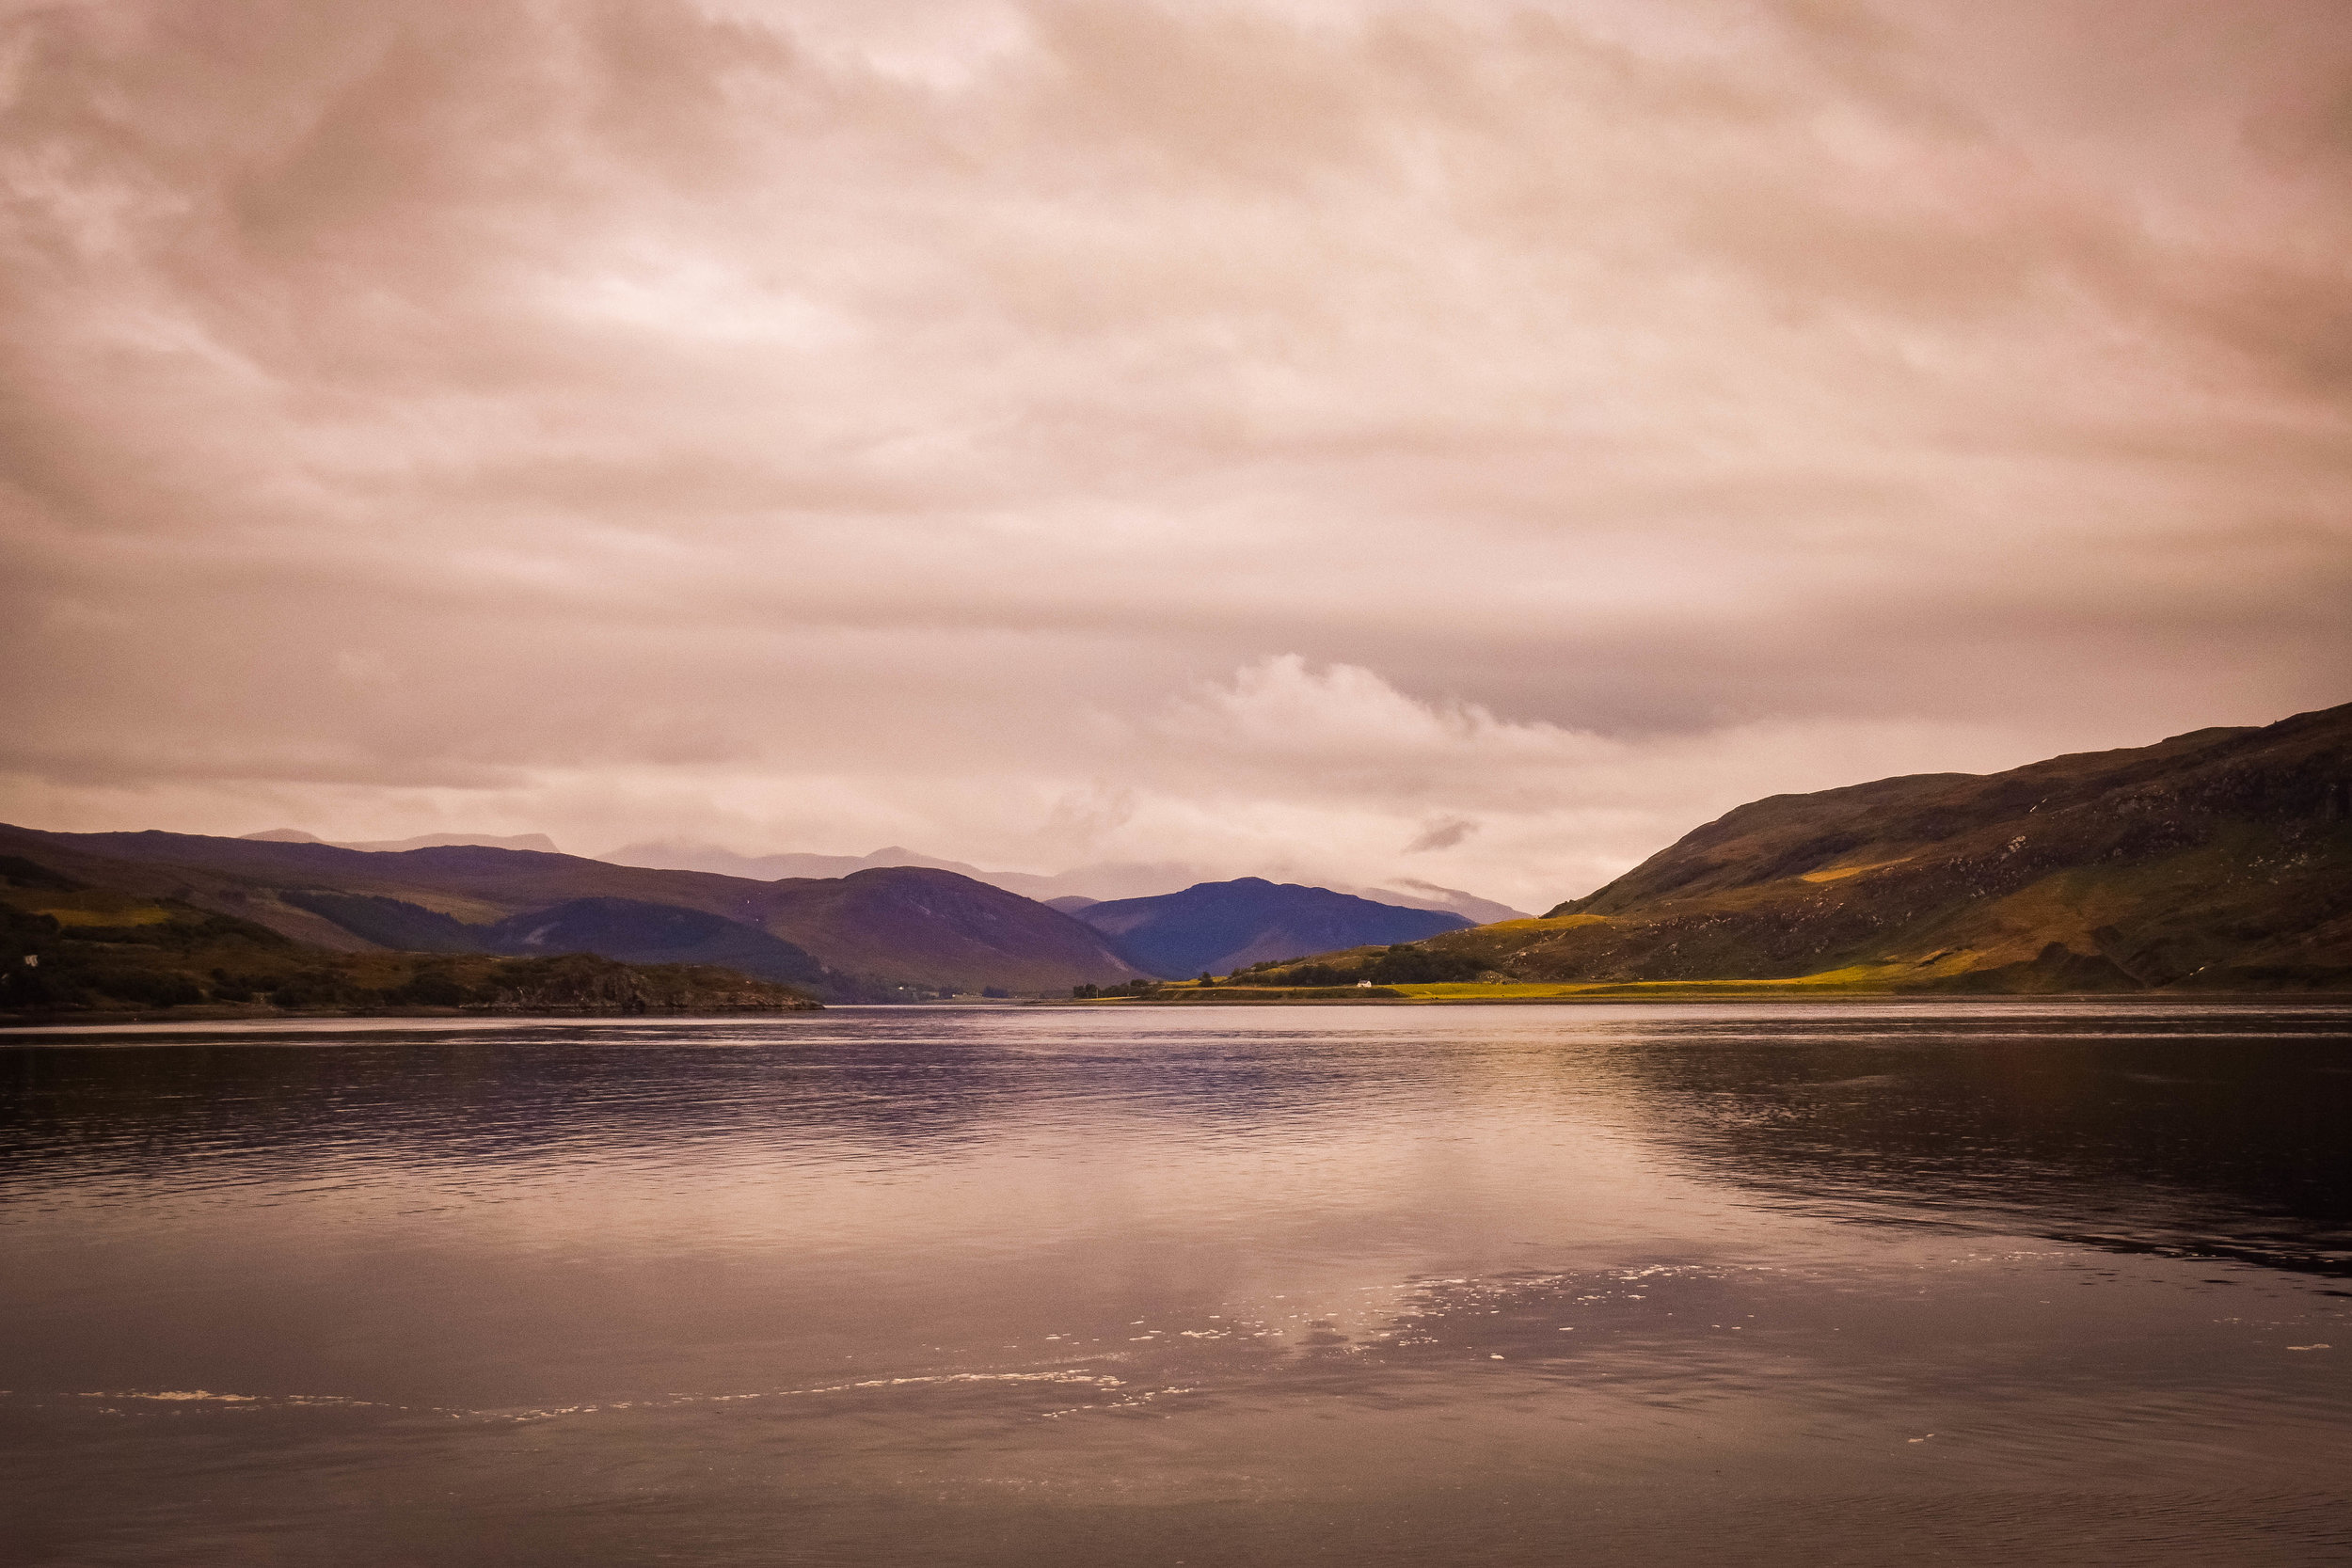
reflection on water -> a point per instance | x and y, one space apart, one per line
2159 1128
2043 1282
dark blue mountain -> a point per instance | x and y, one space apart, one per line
1220 926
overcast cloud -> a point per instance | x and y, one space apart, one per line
1473 442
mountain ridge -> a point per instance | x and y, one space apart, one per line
424 841
899 929
2216 858
1222 927
1098 882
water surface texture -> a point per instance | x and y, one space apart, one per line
2005 1282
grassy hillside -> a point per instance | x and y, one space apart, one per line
102 950
943 929
2218 860
877 934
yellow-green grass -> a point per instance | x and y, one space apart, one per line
1230 993
94 907
148 916
1537 923
1853 980
1857 978
1839 873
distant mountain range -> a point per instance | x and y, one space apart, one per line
875 934
1110 880
2216 861
1221 926
539 842
1065 890
842 927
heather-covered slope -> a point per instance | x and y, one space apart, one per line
2217 859
1221 926
628 930
944 927
97 950
869 934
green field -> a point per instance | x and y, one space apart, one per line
1859 980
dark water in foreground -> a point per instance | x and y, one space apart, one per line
1974 1283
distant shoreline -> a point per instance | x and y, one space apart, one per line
14 1023
99 1018
1891 998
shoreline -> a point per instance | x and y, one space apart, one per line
1655 999
230 1014
229 1017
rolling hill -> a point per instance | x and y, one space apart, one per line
1221 926
876 934
76 949
2216 861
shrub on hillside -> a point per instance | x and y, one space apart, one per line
318 988
1402 964
430 988
1420 966
29 986
147 987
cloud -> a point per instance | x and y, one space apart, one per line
1441 836
1236 431
1343 721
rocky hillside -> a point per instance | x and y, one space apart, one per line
2219 859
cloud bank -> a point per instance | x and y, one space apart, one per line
1475 442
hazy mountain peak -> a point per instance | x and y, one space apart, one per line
1415 894
539 843
535 843
689 855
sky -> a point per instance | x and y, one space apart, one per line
1473 442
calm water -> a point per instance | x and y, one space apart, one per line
2004 1283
